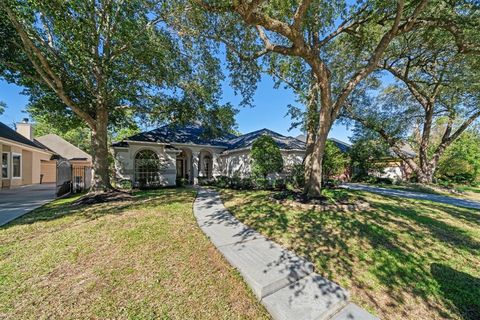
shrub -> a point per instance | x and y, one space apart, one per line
279 184
124 184
334 162
223 182
181 182
261 183
266 157
296 176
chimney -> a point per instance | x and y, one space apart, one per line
25 129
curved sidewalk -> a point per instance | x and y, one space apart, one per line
414 195
282 281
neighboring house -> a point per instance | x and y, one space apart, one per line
163 155
22 157
79 161
395 168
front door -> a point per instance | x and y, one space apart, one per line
180 171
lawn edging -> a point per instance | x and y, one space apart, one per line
285 284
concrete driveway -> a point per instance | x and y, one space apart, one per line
18 201
414 195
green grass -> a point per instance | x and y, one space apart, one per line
403 259
142 259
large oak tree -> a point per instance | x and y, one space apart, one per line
435 97
108 62
332 45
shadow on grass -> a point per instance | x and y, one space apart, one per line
389 242
460 289
64 207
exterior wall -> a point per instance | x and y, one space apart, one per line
27 167
395 170
236 163
49 171
125 162
239 163
233 163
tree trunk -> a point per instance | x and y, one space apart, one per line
312 114
101 176
313 187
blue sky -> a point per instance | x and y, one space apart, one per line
269 111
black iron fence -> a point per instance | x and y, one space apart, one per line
72 179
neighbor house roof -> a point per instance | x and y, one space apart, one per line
8 133
63 148
343 146
191 134
283 142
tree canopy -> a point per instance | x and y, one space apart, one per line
323 50
107 63
433 99
266 157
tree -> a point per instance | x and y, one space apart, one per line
300 40
334 161
266 157
435 97
105 63
461 162
367 149
3 106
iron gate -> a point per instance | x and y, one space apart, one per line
64 177
72 179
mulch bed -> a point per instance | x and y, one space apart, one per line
102 197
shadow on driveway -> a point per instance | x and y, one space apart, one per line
16 202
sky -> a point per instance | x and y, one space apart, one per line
269 111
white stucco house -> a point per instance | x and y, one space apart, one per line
163 155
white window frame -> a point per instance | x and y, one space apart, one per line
21 165
8 164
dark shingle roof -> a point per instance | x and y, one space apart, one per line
283 142
10 134
343 146
191 134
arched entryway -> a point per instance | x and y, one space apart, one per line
206 164
147 167
183 164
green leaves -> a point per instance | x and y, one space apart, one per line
334 161
3 106
266 157
128 56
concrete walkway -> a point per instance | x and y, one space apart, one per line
414 195
16 202
282 281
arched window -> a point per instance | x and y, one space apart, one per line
147 167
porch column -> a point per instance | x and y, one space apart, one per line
195 160
215 165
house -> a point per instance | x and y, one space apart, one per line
22 156
393 167
78 163
163 155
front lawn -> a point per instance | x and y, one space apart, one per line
142 259
402 259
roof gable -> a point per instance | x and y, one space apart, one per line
63 148
10 134
283 142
